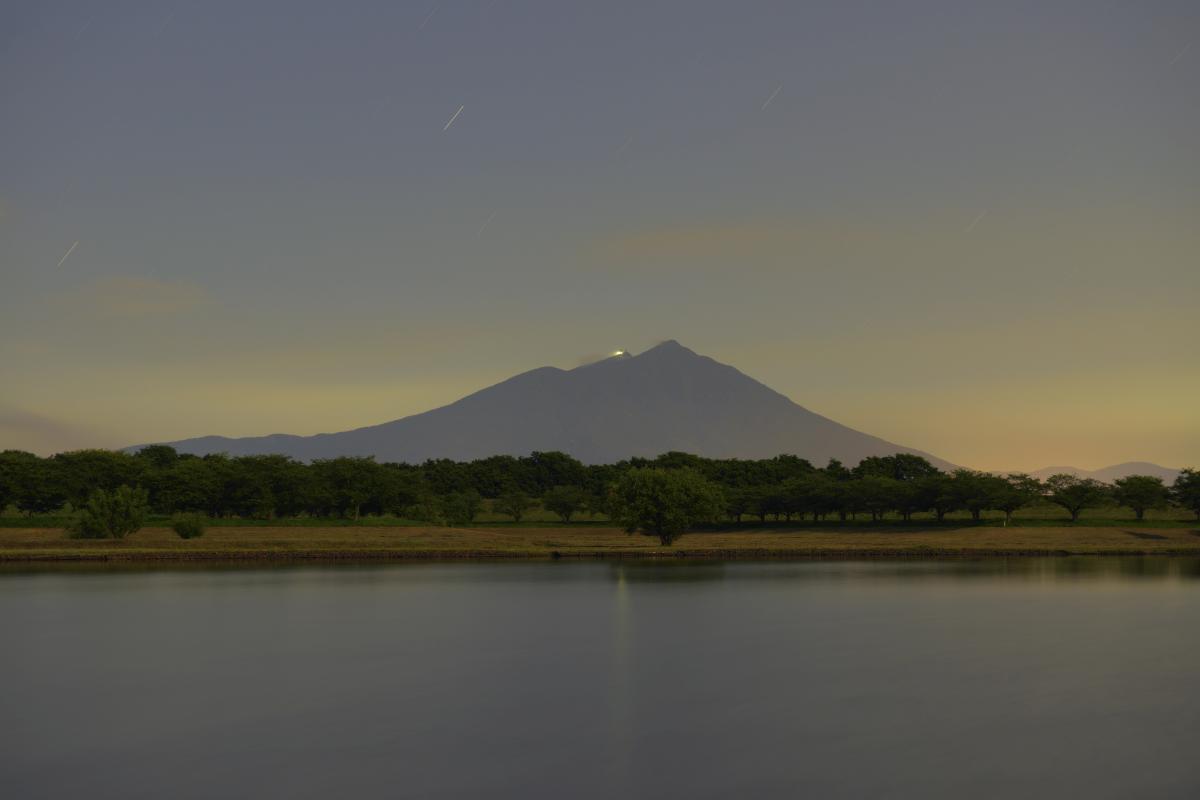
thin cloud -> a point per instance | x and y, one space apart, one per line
133 296
35 433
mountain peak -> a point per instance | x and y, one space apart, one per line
666 398
668 347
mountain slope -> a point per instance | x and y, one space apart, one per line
667 398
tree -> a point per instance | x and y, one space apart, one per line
1075 494
80 472
514 503
836 471
737 503
14 468
974 491
111 515
846 498
1186 490
1017 491
899 467
460 508
445 476
821 495
348 482
490 476
266 486
428 507
908 498
665 502
545 470
874 494
772 501
33 483
188 526
1141 492
938 492
190 484
797 497
400 487
564 501
595 503
158 456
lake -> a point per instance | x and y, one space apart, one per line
1070 677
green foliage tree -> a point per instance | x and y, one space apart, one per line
445 476
774 502
1075 494
836 471
737 503
939 494
10 468
346 483
595 503
188 526
460 508
158 456
784 487
899 467
111 515
400 487
875 494
973 491
545 470
492 475
1186 491
514 503
794 498
80 472
846 498
34 484
1141 492
1017 491
665 502
428 507
821 494
565 501
190 484
908 498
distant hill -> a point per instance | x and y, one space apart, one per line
667 398
1110 474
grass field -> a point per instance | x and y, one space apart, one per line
362 542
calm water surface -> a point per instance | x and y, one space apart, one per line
1018 678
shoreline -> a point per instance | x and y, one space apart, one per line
737 554
268 545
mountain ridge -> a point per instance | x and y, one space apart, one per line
665 398
1113 471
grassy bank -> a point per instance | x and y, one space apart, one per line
280 543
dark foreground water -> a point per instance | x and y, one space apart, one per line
1020 678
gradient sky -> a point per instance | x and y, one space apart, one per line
971 228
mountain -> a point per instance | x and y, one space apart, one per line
667 398
1110 474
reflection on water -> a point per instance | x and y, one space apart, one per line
1187 568
1054 677
660 570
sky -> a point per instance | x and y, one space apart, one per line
970 228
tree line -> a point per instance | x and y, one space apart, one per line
453 492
